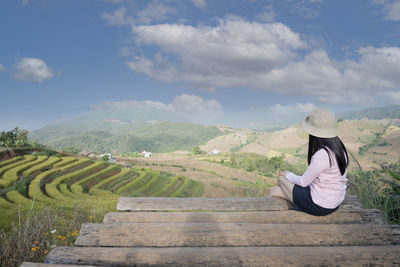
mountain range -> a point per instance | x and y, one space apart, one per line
142 128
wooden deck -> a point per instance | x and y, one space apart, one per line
231 232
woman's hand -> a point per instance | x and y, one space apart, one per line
282 173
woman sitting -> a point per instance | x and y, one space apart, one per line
322 187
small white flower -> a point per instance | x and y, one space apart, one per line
53 231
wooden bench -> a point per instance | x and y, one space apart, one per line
231 232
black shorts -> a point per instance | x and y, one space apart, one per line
302 201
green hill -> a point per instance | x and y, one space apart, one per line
379 113
121 138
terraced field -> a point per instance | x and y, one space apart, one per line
219 181
68 182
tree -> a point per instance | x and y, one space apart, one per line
22 137
277 162
16 137
196 150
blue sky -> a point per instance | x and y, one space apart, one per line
214 60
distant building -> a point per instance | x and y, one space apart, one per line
106 154
214 152
146 154
83 153
92 155
87 154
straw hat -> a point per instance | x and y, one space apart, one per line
320 123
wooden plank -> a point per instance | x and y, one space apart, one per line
235 234
214 204
373 216
204 204
351 202
228 256
37 264
283 216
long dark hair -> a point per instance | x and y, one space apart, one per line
334 144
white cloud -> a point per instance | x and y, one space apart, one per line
267 57
392 11
293 109
200 3
118 17
227 55
115 1
191 107
33 69
184 104
131 104
306 12
268 15
155 11
126 51
2 68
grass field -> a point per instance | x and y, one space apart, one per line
45 200
34 182
215 178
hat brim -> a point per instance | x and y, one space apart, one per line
318 132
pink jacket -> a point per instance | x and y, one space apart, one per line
327 185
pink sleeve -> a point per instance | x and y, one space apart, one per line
319 162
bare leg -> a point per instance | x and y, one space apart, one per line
286 187
276 191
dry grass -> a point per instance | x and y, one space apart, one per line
197 168
35 232
226 142
293 140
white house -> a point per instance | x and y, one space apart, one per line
146 154
106 154
214 152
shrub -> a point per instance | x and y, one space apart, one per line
64 161
12 160
142 174
37 231
16 197
12 175
378 189
5 204
78 173
46 164
179 191
52 191
196 150
64 189
193 189
103 193
170 187
26 159
123 173
76 189
155 175
36 193
100 174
